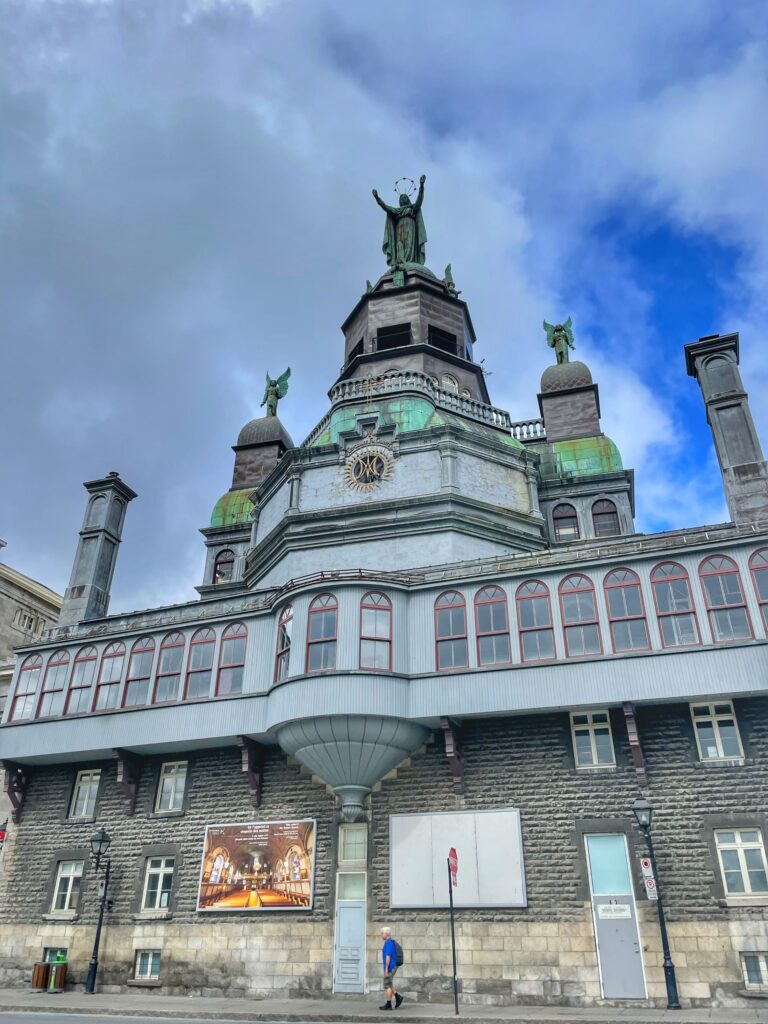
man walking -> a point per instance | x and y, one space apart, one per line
390 959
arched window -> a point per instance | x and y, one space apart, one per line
626 611
139 671
200 665
168 675
758 564
565 522
582 631
96 510
724 595
109 677
450 383
451 631
232 659
605 519
376 632
52 697
224 567
321 633
283 653
534 613
26 688
674 605
83 671
492 623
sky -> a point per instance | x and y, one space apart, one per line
185 204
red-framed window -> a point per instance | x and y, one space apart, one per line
54 681
376 632
224 566
579 611
534 615
626 611
139 673
232 659
283 651
724 596
168 674
200 665
674 606
322 624
26 688
605 518
83 672
110 672
492 626
565 522
758 565
451 648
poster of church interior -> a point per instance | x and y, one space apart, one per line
262 865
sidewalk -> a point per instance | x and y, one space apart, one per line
358 1010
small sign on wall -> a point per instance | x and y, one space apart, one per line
613 910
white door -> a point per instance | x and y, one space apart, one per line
349 949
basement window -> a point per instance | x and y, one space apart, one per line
393 337
754 967
147 965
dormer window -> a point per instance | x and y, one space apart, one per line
393 337
565 522
605 519
224 567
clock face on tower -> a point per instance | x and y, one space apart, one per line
368 466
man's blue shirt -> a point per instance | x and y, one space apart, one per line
389 949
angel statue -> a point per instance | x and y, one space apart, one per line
274 391
560 338
405 237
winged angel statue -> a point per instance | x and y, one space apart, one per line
274 391
560 338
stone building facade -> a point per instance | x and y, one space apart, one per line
424 630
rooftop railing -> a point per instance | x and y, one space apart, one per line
529 430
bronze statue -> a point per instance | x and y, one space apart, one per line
405 237
560 338
274 391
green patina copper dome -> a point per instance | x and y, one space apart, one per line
233 508
584 456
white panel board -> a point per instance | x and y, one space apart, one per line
489 849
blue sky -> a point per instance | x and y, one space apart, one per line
185 204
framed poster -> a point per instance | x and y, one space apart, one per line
485 846
260 865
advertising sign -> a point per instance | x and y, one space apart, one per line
261 865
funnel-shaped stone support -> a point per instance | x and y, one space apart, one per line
351 752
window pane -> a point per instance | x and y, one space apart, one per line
351 887
673 596
538 645
729 738
608 865
167 688
761 582
231 680
583 747
603 746
707 741
757 878
201 656
170 659
582 640
579 607
375 623
731 624
322 656
678 630
752 968
233 651
452 654
199 684
374 654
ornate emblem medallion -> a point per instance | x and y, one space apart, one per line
368 465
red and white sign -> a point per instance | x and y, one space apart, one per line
453 864
650 889
645 866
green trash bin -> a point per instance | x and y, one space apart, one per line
58 977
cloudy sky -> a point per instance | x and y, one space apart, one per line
185 204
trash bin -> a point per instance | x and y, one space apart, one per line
58 978
40 976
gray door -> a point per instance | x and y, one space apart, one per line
349 961
619 956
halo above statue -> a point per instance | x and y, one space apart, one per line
405 186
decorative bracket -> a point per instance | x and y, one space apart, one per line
15 786
252 756
453 753
128 775
635 746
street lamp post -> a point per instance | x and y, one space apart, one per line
643 811
99 846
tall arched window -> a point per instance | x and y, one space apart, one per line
674 605
83 671
283 653
109 677
492 624
727 607
224 567
139 672
626 611
758 564
26 688
232 659
168 676
565 522
376 632
582 630
200 665
52 697
321 633
605 519
451 631
534 614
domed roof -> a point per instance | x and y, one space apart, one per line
265 430
564 376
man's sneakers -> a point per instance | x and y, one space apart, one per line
398 1000
386 1006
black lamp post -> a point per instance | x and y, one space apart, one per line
99 846
643 812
